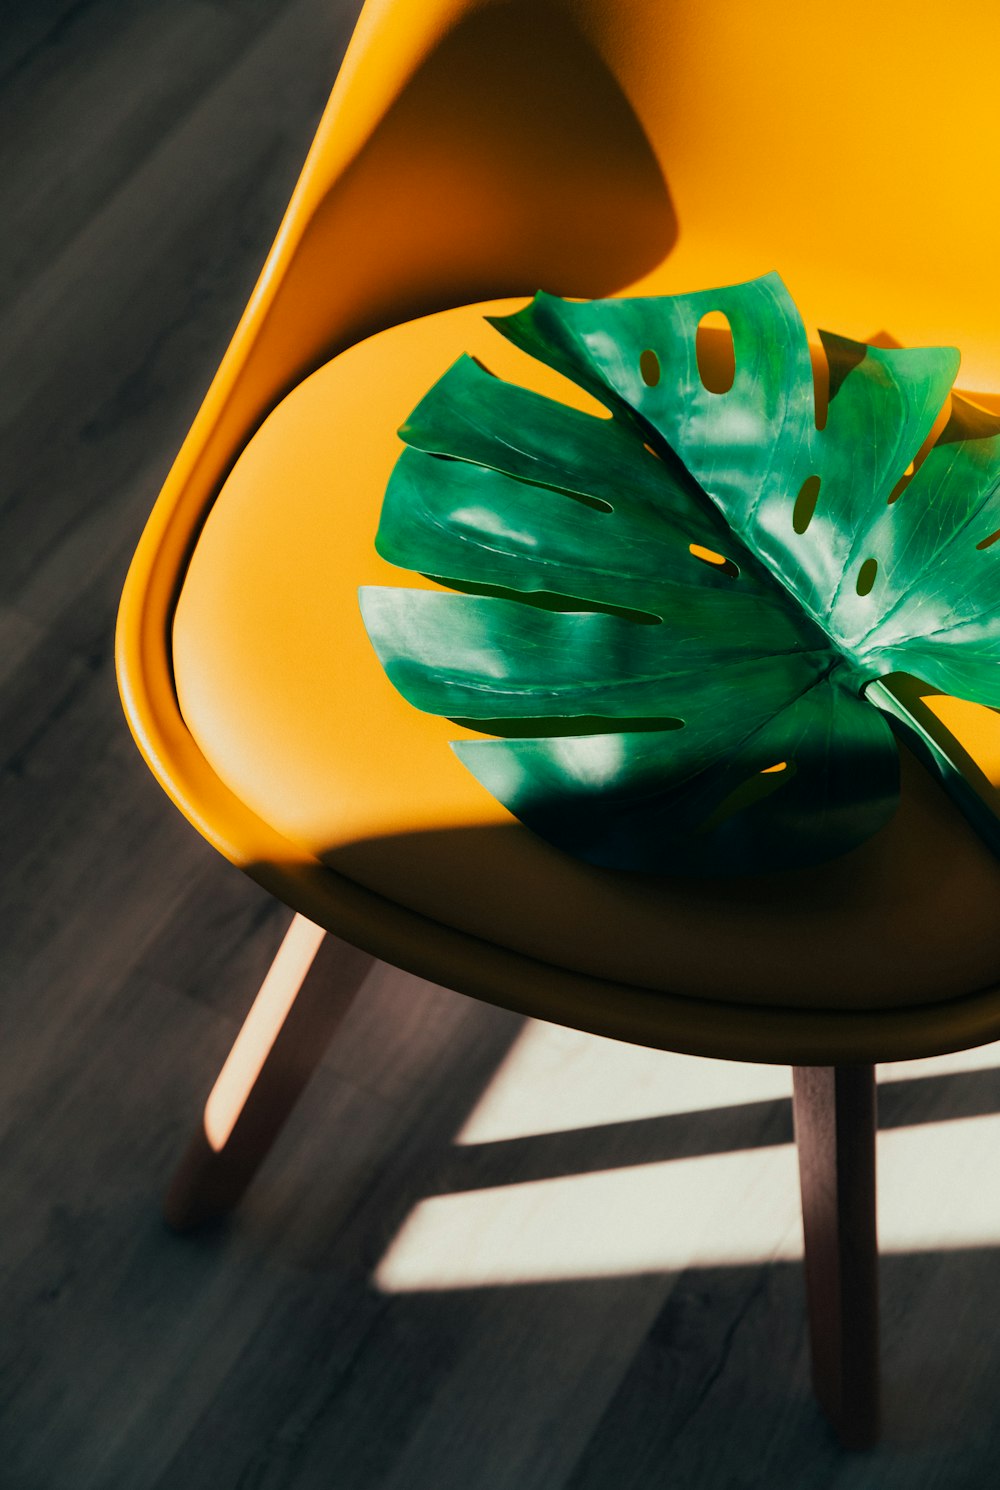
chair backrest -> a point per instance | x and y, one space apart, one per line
481 147
469 150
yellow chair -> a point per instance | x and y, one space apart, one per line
476 150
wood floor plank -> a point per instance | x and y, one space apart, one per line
92 64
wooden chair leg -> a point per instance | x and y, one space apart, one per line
835 1127
307 991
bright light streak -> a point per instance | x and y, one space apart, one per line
641 1219
555 1080
931 1195
981 1058
263 1024
719 1210
739 1208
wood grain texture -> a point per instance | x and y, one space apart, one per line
603 1245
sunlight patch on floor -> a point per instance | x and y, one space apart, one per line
642 1219
554 1080
935 1192
936 1187
981 1058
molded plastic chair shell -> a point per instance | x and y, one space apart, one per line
475 150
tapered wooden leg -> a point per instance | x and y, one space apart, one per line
307 991
835 1126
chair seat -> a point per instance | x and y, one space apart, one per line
284 695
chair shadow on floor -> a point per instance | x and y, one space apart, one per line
692 1365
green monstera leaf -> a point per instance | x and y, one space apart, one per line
676 619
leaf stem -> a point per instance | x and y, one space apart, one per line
903 699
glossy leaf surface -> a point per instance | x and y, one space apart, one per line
671 614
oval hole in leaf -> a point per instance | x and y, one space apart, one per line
753 790
713 560
866 577
988 542
649 367
715 352
805 503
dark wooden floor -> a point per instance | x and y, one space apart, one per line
486 1255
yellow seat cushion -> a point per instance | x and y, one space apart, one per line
283 693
